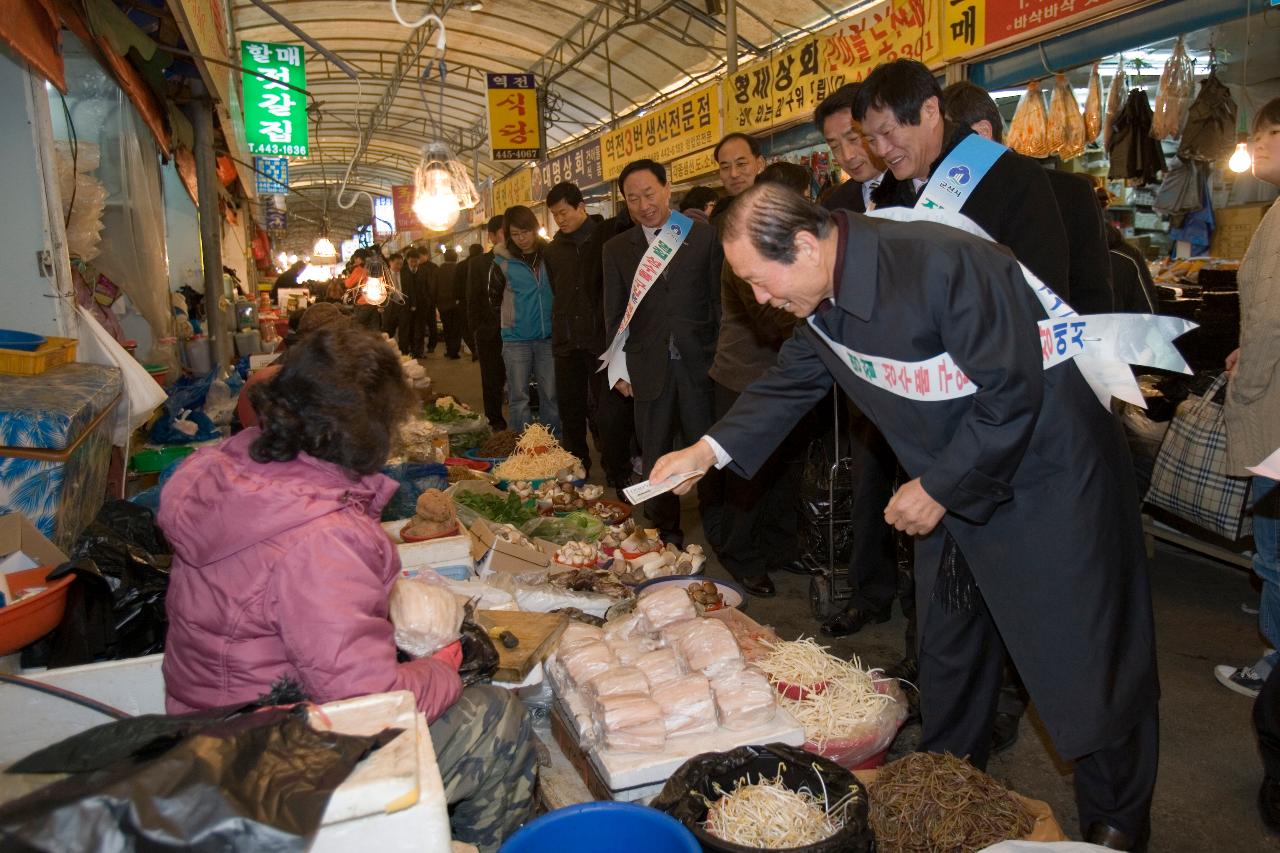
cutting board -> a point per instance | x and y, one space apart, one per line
537 633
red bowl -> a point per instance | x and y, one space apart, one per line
404 537
797 692
28 620
632 555
473 464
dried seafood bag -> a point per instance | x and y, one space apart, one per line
1093 106
630 650
1066 124
1173 100
1028 132
586 660
426 616
708 647
1115 101
659 666
665 606
577 633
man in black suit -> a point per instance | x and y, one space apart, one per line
672 333
1089 270
485 327
835 121
1013 465
415 284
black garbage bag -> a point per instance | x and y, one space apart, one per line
256 782
479 654
1210 132
682 796
115 609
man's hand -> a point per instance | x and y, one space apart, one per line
623 387
1232 361
912 511
696 457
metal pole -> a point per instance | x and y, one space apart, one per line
201 115
731 34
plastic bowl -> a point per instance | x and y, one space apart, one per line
407 539
24 341
474 464
474 454
615 504
30 619
734 594
590 827
800 691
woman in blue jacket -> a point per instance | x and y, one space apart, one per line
520 289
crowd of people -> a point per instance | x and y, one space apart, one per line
729 326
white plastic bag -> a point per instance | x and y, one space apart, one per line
427 616
142 395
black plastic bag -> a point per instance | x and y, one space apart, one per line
257 782
1210 132
682 796
115 609
479 654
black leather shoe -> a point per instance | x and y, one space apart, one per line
760 586
851 621
1113 839
1269 804
798 566
1004 733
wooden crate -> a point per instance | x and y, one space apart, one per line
54 352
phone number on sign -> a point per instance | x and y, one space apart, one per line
277 149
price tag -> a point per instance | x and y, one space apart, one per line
641 492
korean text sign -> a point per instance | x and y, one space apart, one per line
515 128
776 90
402 206
579 165
275 116
273 174
973 24
894 29
513 190
668 131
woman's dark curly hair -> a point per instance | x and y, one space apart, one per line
340 396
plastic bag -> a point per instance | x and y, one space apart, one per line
1115 101
577 526
414 479
1065 123
1173 100
694 783
664 606
426 615
479 655
259 781
115 609
142 395
1093 107
1028 132
1210 132
744 699
875 736
184 420
687 706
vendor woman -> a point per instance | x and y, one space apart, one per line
282 570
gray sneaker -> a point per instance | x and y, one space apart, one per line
1243 680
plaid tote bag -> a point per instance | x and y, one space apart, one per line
1189 478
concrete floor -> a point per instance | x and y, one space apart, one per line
1209 766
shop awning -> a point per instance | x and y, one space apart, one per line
30 28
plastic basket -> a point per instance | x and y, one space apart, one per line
54 352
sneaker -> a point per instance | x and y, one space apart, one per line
1243 680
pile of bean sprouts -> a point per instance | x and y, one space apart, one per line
768 815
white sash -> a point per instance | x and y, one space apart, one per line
655 259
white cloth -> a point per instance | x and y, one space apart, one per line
142 394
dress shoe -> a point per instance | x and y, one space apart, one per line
760 586
1111 838
1269 804
851 621
799 566
1004 732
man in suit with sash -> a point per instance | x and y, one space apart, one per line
661 308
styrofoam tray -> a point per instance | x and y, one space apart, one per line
445 552
387 780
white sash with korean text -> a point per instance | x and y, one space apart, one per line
668 241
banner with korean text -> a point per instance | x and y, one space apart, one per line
693 166
779 89
275 116
512 190
971 25
515 128
669 130
579 165
894 29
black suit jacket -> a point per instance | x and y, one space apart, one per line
682 307
847 196
1013 203
1033 472
1089 274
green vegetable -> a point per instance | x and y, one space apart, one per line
506 510
461 442
577 526
447 415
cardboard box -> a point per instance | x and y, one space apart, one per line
499 555
1234 228
17 533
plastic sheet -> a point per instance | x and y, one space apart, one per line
686 793
116 607
1028 132
255 782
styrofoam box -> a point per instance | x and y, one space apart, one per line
449 556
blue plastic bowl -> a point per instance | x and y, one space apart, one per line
603 827
474 453
25 341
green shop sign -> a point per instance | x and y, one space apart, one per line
275 116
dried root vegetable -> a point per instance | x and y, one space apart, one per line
744 699
687 705
769 815
927 802
665 606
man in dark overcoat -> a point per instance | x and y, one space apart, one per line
1025 480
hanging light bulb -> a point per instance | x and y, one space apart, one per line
375 292
323 251
282 260
441 188
1240 160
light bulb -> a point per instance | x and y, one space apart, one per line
1240 160
542 232
435 203
457 247
282 259
292 259
323 250
375 292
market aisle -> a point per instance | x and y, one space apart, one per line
1209 768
